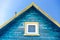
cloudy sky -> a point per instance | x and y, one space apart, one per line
9 7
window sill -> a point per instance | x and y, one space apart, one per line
31 34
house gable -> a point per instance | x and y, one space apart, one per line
15 27
38 8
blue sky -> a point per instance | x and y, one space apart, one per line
8 7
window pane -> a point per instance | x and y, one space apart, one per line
31 28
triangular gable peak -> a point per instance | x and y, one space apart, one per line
38 8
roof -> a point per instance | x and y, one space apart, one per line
38 8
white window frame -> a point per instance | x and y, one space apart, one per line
31 33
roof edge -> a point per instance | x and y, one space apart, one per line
44 13
38 8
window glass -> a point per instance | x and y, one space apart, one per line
31 28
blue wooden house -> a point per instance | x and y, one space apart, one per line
30 24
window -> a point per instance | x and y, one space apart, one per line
31 28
